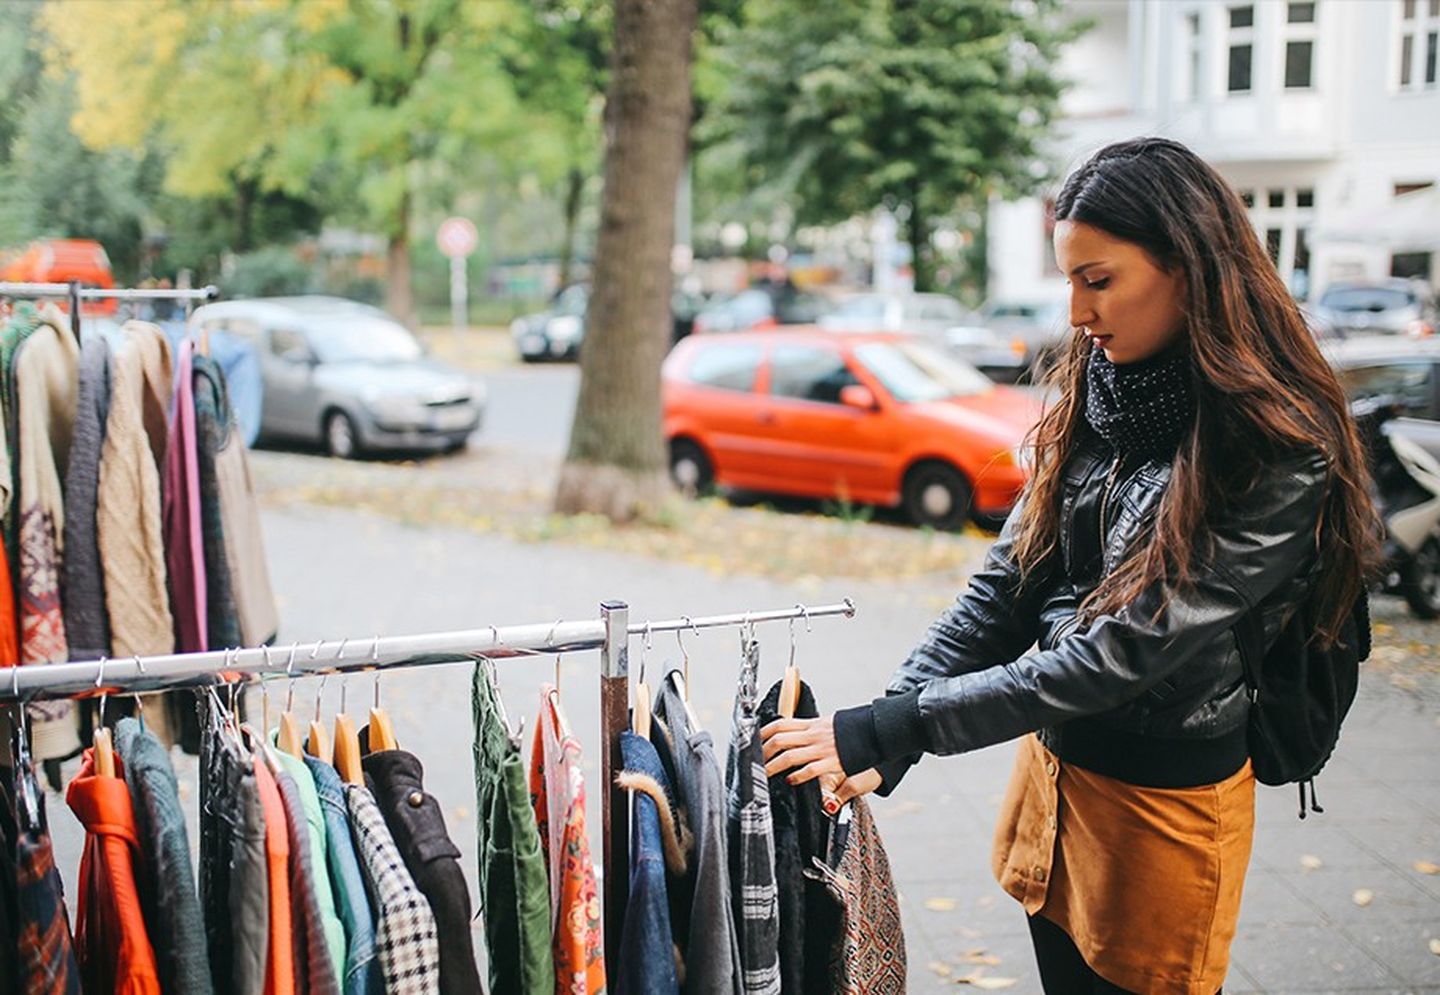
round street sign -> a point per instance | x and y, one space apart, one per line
457 237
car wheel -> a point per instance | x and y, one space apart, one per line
1420 580
690 468
936 495
341 439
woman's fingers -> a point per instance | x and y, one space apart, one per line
814 769
794 758
782 725
859 784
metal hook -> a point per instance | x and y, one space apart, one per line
340 653
375 662
314 651
105 692
550 644
685 653
645 644
319 692
139 664
290 673
805 614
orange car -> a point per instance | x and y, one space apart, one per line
875 419
60 260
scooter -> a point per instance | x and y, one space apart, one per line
1405 463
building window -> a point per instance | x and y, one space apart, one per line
1247 197
1276 197
1305 197
1419 44
1283 217
1300 40
1241 49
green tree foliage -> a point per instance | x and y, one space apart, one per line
349 103
917 105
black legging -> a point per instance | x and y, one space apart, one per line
1062 970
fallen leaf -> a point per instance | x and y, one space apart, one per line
987 982
1363 897
940 904
1435 946
1427 867
989 960
1311 862
940 967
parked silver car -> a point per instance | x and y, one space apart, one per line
1381 307
349 376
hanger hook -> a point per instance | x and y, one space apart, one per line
375 662
645 643
320 691
314 650
139 664
290 673
550 637
805 614
15 684
340 653
105 692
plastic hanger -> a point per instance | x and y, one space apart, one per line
104 744
347 740
382 732
640 711
790 683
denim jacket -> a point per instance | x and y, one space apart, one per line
362 973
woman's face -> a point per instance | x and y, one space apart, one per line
1119 298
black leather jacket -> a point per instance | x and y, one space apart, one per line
1160 703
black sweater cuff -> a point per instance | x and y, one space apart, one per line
887 729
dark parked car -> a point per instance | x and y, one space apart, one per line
1402 370
1385 307
349 376
762 306
558 331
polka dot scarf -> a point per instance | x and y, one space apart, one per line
1141 409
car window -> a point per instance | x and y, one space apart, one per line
937 308
370 337
572 300
728 367
914 372
288 343
809 374
1412 384
1366 298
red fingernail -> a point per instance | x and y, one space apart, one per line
830 807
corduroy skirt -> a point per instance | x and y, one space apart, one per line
1146 881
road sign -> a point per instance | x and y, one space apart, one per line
457 237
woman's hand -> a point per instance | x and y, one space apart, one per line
809 744
806 747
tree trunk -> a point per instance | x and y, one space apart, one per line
574 188
920 261
245 192
399 293
616 465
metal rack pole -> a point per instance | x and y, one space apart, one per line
615 804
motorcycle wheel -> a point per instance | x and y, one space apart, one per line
1420 580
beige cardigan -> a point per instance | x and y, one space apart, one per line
127 515
46 371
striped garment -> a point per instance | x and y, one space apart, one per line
752 841
47 964
405 934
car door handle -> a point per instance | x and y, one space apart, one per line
765 418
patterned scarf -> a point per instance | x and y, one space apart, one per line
1142 409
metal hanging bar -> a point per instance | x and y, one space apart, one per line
107 293
156 673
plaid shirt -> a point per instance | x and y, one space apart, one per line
752 841
405 934
47 958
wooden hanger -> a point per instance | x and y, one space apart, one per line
382 732
790 683
287 737
347 740
317 740
678 679
640 711
104 743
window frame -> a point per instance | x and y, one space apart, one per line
1416 48
1237 37
772 364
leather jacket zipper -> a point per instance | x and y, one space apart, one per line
1105 499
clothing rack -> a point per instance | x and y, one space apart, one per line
609 634
75 293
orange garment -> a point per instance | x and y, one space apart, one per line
557 791
280 965
111 942
1146 881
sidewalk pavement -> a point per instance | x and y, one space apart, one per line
340 573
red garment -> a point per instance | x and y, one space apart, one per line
9 639
111 942
280 965
557 790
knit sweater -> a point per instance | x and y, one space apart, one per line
212 428
128 524
45 375
83 583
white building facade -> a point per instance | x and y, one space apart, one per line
1320 113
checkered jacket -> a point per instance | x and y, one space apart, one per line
751 834
405 934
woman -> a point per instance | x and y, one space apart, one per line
1200 460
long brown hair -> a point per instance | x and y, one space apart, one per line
1262 387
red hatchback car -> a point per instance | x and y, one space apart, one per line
876 419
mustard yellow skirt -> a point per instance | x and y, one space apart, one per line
1146 881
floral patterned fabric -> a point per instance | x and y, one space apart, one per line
557 790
